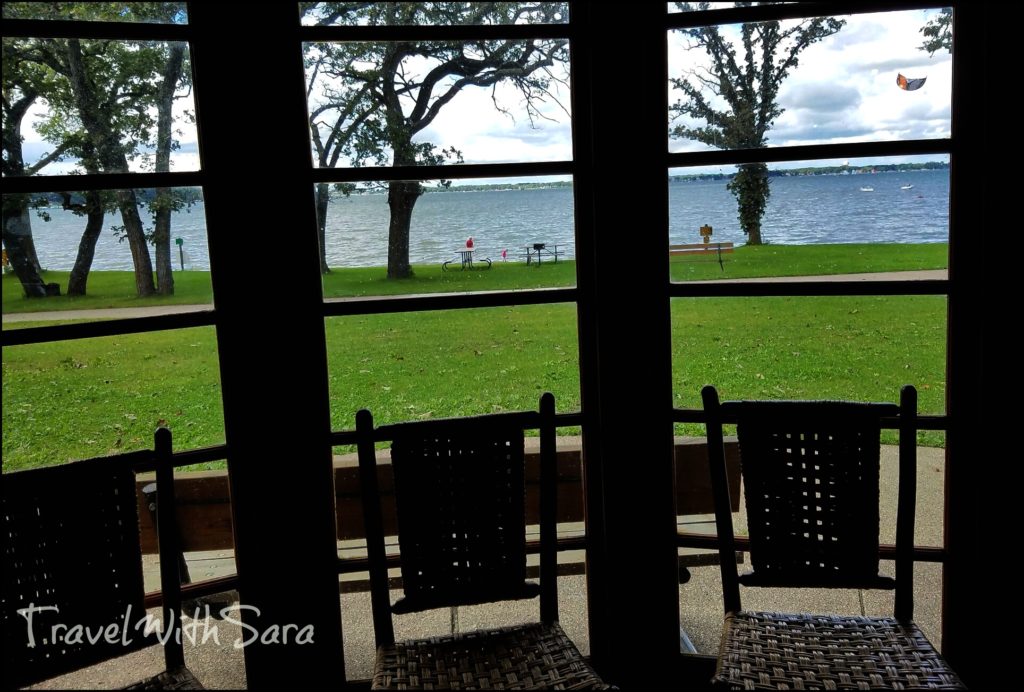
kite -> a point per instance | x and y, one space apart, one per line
909 84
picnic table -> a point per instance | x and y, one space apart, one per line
465 259
537 251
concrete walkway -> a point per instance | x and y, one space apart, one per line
219 664
122 313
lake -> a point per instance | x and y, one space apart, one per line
802 210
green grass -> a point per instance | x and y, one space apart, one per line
89 397
108 289
810 260
72 400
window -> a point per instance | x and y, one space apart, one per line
288 337
108 303
843 259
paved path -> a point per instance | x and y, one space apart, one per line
121 313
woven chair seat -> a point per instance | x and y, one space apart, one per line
177 679
769 651
524 657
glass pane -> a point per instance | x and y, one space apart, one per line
71 400
432 13
820 217
138 12
474 236
432 103
867 77
74 252
131 111
861 348
439 364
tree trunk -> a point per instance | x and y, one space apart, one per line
162 241
17 236
164 202
129 206
402 196
323 196
108 146
87 245
750 186
21 252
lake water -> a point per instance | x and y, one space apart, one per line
802 210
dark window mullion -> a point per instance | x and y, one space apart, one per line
467 32
340 307
102 181
808 152
774 287
453 172
119 31
793 10
117 327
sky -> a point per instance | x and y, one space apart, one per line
843 90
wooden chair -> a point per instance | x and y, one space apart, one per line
811 481
72 558
460 496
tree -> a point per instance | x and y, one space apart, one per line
938 32
165 201
332 126
22 84
733 103
100 98
395 90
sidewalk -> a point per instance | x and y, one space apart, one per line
122 313
219 665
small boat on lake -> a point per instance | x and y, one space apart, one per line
867 188
906 187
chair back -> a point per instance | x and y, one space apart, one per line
72 578
460 495
810 473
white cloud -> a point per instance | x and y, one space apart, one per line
844 88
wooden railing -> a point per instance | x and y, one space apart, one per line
204 503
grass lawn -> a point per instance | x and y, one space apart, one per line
83 398
72 400
106 289
116 289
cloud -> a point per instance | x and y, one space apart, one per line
856 33
805 131
911 61
820 97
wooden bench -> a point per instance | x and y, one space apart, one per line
702 249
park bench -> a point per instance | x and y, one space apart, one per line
702 249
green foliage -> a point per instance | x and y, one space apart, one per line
734 102
751 189
101 96
938 32
124 74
